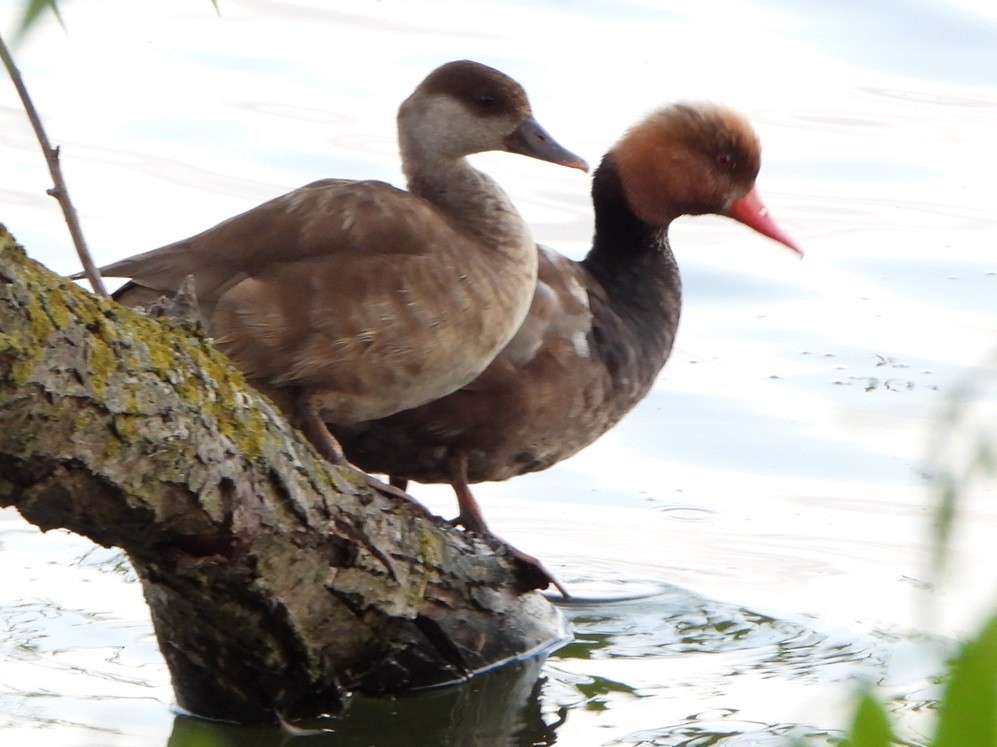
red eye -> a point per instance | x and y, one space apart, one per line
726 161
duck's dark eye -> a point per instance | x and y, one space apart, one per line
486 100
726 161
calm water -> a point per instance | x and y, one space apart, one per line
752 542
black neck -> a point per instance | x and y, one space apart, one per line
614 219
626 251
633 262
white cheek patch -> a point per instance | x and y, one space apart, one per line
446 127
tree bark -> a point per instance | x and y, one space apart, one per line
276 582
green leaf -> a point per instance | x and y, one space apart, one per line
871 725
945 513
33 10
968 713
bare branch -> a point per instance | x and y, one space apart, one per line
59 191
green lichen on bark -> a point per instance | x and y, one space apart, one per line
119 348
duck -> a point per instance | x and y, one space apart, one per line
347 301
598 331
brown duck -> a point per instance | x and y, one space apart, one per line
348 301
598 331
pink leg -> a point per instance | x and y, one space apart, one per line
315 430
473 520
470 516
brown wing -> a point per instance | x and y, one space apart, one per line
303 322
365 295
323 219
559 320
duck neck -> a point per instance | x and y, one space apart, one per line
630 257
471 199
633 262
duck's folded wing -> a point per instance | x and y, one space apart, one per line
305 322
560 314
329 218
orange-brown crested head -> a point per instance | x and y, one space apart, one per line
687 159
465 107
690 159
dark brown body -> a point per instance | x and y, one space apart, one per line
597 335
598 331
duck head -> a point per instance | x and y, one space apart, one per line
692 159
465 107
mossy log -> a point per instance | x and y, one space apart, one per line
276 582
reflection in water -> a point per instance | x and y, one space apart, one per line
741 648
703 731
636 644
527 704
500 709
83 662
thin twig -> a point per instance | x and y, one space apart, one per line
59 191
